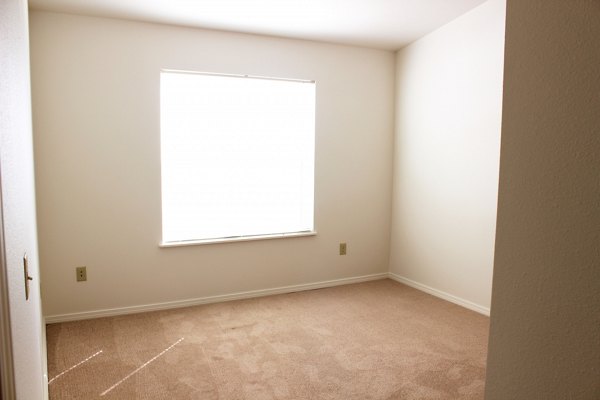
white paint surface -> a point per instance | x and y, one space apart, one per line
96 128
18 200
545 318
448 112
374 23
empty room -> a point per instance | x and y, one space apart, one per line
299 200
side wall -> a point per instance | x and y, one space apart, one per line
448 114
545 322
96 126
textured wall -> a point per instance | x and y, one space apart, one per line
545 320
96 127
447 149
18 200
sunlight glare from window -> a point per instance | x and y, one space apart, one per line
237 156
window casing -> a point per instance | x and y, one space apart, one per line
237 157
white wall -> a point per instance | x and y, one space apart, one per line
96 126
447 144
18 214
545 321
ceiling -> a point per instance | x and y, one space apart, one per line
383 24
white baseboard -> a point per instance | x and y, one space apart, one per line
442 295
52 319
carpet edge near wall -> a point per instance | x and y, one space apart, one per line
111 312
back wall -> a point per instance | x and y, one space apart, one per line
95 84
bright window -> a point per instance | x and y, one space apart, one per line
237 156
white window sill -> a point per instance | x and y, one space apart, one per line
236 239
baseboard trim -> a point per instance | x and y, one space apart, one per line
442 295
111 312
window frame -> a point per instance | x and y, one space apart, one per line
242 238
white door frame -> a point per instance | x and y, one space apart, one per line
7 378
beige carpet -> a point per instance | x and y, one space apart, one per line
374 340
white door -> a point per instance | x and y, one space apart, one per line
18 209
